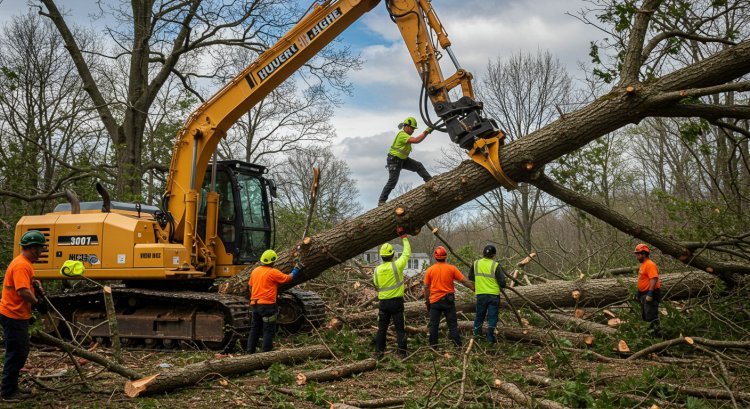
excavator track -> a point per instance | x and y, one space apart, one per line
187 319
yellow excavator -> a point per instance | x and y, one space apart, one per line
216 216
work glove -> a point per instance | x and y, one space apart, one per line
401 232
650 296
428 130
295 272
41 306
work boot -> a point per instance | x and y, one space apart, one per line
17 395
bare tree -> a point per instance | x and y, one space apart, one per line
523 94
337 192
152 38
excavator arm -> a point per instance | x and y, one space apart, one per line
197 141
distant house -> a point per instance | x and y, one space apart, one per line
417 262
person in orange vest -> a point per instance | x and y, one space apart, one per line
439 295
264 286
649 288
18 297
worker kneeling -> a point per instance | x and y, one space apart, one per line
439 295
264 285
389 281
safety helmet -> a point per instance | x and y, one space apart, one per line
440 253
409 121
642 248
72 268
489 250
386 250
268 257
33 237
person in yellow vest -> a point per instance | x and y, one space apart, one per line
488 277
649 288
264 286
388 278
398 156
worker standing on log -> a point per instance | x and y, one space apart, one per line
264 286
489 278
398 156
18 297
388 278
439 295
649 288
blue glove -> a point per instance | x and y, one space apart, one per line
295 272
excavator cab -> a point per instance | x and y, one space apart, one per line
245 214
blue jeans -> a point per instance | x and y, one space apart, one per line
16 334
488 305
264 322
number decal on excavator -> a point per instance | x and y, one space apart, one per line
85 240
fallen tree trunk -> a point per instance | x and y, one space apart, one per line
689 341
708 393
581 324
526 334
669 246
338 372
194 373
558 294
521 159
106 363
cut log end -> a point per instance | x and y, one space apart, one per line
400 211
301 379
134 388
622 347
589 340
306 241
580 313
576 295
630 89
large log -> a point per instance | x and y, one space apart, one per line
194 373
558 294
520 159
526 334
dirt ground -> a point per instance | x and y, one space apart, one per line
426 378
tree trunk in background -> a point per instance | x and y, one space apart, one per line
521 160
558 294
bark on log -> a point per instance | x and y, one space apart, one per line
469 180
375 403
513 392
708 393
725 270
557 294
581 324
689 341
338 372
96 358
193 373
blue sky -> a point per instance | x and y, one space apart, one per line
386 90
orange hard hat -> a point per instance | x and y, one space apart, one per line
642 248
440 253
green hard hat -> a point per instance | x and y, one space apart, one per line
268 257
386 250
411 122
33 237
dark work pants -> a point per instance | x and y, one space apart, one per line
445 306
394 166
488 305
391 308
264 322
650 311
16 334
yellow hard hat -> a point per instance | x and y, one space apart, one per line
72 268
386 250
268 257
